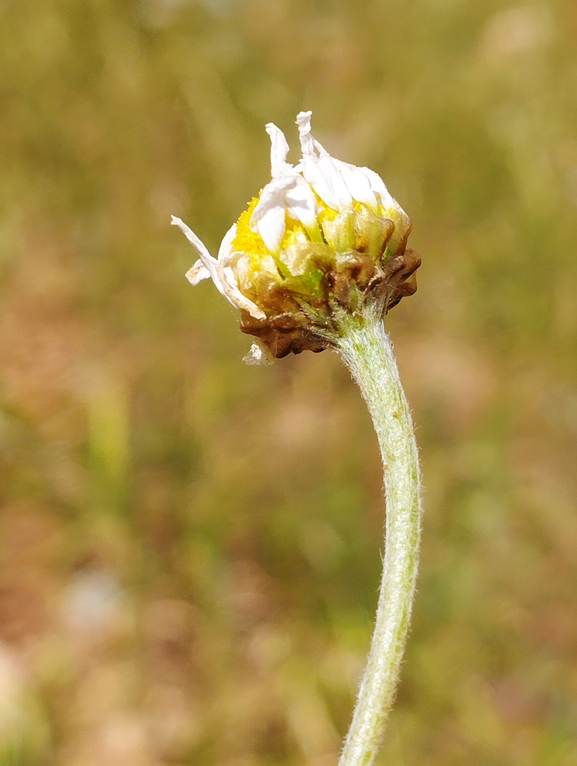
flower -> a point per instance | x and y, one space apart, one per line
323 239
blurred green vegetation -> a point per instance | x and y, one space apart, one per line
189 547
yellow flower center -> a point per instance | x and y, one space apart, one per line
250 242
247 240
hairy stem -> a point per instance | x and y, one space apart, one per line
366 349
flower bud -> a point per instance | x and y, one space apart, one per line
323 240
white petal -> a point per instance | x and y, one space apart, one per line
320 169
358 184
378 186
327 181
278 150
271 226
220 270
273 195
306 138
231 289
226 244
287 192
292 194
268 217
197 273
192 238
301 204
309 145
207 259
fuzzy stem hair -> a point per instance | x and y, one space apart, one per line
366 349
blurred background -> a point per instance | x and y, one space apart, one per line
190 547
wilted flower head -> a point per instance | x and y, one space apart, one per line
324 239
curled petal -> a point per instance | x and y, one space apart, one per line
382 193
207 260
287 194
301 204
278 150
320 170
338 183
197 273
358 184
303 122
301 200
325 178
222 274
268 218
231 289
271 227
225 248
309 145
194 240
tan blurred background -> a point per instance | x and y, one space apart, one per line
189 547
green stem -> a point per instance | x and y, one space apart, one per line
366 350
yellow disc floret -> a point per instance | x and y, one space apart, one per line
246 240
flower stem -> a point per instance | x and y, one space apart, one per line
366 350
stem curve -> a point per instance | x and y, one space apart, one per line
366 349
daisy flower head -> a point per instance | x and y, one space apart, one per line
323 240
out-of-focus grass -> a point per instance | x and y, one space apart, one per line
189 548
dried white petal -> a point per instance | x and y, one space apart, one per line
268 217
278 150
320 169
231 289
303 122
222 275
193 239
288 192
382 193
358 184
302 205
208 261
197 273
258 354
225 248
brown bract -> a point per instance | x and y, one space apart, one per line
314 325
